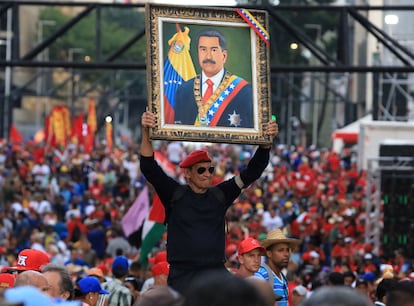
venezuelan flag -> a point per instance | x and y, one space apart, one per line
178 67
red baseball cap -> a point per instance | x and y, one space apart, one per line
195 157
31 259
103 267
250 244
160 256
6 280
160 268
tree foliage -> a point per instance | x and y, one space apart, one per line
319 26
117 26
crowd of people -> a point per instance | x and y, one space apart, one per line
302 209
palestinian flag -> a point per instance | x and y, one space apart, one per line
152 230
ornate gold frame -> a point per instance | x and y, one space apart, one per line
155 16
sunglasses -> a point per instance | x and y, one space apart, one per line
201 170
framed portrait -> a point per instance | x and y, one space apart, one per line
208 74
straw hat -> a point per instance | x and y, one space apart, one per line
276 236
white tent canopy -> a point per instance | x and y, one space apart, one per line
348 134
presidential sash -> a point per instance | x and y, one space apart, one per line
210 112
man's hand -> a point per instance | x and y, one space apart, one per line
272 129
148 119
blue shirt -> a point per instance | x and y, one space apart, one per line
280 286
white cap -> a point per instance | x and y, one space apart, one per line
301 290
314 254
368 256
348 239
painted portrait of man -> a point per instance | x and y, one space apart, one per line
216 96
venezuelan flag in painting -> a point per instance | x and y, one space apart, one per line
178 67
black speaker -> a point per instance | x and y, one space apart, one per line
397 191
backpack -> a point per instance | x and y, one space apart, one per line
270 273
272 279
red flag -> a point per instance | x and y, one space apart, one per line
77 128
89 139
14 135
109 141
165 163
67 124
50 138
157 212
59 126
92 116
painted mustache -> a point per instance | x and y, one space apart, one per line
209 61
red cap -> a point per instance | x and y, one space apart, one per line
160 268
103 268
313 209
195 157
30 259
6 280
160 256
231 248
250 244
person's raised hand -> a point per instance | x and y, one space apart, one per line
148 119
272 129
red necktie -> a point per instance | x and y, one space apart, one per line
209 90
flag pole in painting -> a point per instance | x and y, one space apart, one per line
178 67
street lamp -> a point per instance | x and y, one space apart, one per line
71 93
315 87
5 106
391 19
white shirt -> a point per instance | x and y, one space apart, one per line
271 223
40 171
44 207
216 80
148 283
133 168
175 152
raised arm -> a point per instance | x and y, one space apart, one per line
260 159
147 121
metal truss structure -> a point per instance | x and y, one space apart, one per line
288 103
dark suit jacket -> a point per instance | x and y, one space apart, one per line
186 110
